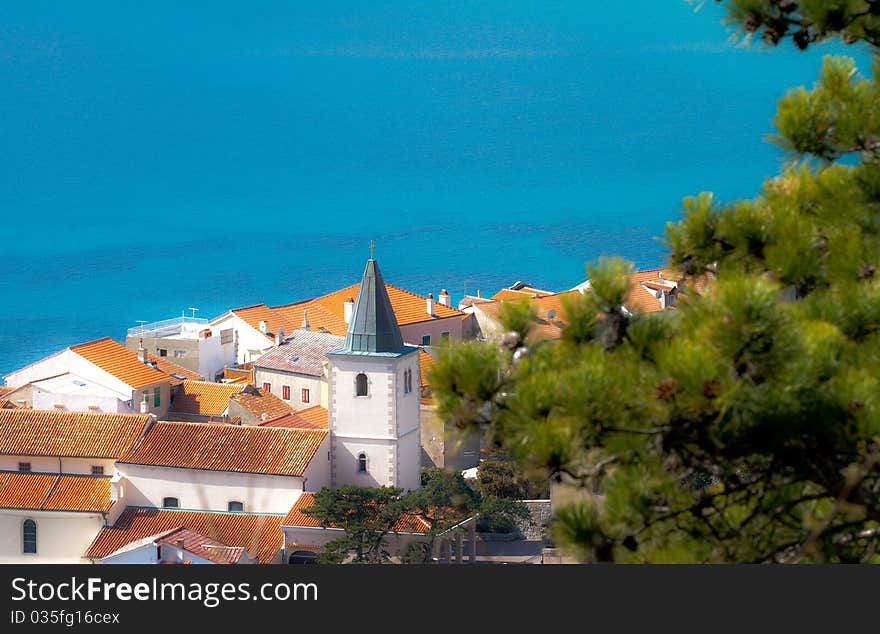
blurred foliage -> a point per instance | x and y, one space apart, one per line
744 425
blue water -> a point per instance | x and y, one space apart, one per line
222 154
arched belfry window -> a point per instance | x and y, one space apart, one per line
29 537
362 462
360 384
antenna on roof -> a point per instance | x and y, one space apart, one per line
372 250
141 323
195 310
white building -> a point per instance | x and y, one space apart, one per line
187 341
248 333
57 474
373 382
98 376
295 371
222 467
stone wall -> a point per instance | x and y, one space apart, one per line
536 530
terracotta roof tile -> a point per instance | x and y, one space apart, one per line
54 492
426 362
317 415
204 397
258 401
29 432
5 403
221 447
289 421
258 534
5 389
202 546
119 361
80 493
328 311
274 319
167 367
409 523
312 418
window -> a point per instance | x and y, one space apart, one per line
285 392
360 383
29 537
444 336
236 507
267 387
97 469
157 397
407 381
24 466
305 395
170 503
179 354
163 352
362 462
426 340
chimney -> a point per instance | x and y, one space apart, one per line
305 324
430 304
479 293
445 299
264 326
264 417
142 353
145 406
179 544
348 309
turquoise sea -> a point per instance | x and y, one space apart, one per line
173 155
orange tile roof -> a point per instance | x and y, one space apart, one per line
169 368
81 493
426 362
5 389
289 421
204 397
275 319
258 534
29 432
408 523
258 401
201 546
117 360
316 415
54 492
518 291
5 403
328 311
549 312
243 373
222 447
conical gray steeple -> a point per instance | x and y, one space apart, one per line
373 326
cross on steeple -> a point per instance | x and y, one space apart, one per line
372 249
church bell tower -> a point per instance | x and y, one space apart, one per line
373 382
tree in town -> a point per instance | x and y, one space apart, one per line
446 498
366 514
743 426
